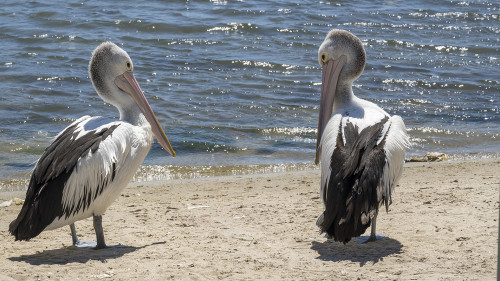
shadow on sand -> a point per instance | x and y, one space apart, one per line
369 252
80 255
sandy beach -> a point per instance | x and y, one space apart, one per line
442 225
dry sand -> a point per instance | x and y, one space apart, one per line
442 225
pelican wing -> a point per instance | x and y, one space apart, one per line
360 168
47 194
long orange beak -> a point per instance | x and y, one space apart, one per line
127 83
331 71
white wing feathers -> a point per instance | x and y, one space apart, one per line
327 146
396 143
94 171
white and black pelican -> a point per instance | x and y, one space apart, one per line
361 148
91 161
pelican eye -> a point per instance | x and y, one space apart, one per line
323 58
128 65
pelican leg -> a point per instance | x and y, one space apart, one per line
373 236
73 234
99 233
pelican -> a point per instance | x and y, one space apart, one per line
360 147
92 160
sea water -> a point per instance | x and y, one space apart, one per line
236 84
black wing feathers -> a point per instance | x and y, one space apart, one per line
354 191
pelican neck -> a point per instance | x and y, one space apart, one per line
344 96
133 116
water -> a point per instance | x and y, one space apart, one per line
236 84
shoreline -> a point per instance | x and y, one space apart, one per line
442 225
154 173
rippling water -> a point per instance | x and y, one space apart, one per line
237 83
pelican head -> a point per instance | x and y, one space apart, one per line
111 72
342 58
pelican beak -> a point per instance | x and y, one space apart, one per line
331 70
127 83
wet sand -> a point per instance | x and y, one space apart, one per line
442 225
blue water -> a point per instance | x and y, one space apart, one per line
237 83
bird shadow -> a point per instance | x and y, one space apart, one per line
79 255
355 252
